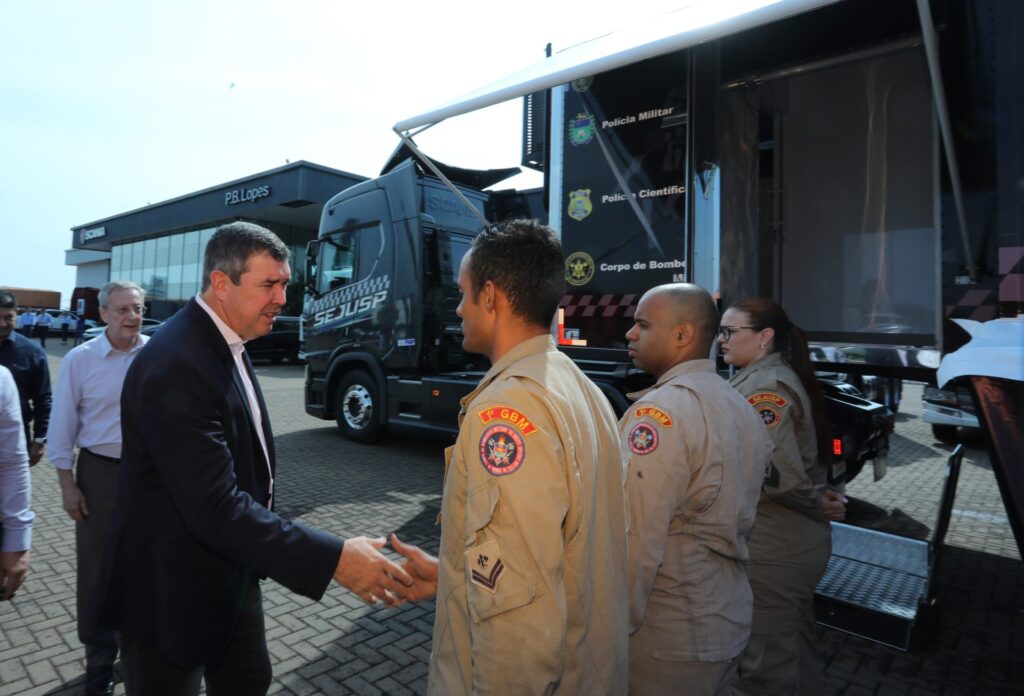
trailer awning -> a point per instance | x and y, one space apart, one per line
699 21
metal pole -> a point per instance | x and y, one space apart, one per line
931 51
437 172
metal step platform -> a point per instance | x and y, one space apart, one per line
879 585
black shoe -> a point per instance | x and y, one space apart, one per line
99 681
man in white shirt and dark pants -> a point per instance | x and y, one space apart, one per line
87 413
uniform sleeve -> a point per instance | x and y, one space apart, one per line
787 482
63 428
517 502
657 471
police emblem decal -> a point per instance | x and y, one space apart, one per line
579 204
501 449
581 129
643 439
579 268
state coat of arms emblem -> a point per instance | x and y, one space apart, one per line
581 129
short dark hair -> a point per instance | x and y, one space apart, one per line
525 260
230 247
7 300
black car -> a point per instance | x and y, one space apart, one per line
280 344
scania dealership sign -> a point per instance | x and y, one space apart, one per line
93 233
246 195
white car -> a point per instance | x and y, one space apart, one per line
100 328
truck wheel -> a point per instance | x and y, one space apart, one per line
944 433
357 407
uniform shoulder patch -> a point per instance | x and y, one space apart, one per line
769 406
655 413
509 414
502 450
643 439
486 566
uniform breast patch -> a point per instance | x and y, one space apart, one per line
643 439
657 414
501 449
769 406
507 413
486 566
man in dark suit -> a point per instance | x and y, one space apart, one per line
194 529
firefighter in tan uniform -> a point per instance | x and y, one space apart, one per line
531 573
696 455
791 541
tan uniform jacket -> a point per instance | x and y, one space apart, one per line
696 457
789 516
533 538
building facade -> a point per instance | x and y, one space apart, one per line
161 246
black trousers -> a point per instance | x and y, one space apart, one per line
97 478
245 669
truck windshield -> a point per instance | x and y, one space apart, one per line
337 262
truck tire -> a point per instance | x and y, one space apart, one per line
357 407
944 433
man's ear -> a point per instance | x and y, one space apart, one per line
489 295
685 333
218 282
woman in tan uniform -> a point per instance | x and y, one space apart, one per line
791 540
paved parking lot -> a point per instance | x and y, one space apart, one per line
341 646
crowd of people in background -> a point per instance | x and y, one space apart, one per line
38 323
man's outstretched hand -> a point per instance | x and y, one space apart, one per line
369 574
421 567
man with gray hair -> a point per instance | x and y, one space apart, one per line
194 529
87 414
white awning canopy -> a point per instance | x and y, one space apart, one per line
697 22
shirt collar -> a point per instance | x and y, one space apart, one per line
683 368
104 347
234 341
531 346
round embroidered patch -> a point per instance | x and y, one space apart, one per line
643 439
501 449
769 414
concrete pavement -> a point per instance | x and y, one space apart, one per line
341 646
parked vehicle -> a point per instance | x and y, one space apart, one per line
282 343
147 323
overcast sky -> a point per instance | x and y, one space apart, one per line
110 106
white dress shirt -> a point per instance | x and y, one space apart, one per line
87 402
15 482
237 346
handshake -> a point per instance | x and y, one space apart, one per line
373 577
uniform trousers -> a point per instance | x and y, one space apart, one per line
244 670
781 658
649 675
97 479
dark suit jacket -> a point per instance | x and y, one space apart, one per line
191 531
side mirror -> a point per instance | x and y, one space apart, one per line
312 253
